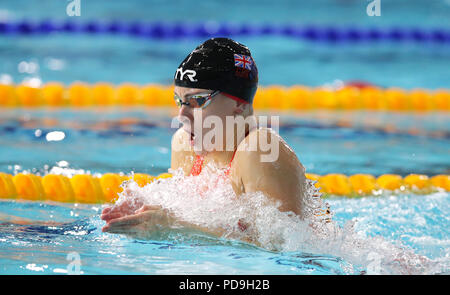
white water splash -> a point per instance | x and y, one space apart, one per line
208 200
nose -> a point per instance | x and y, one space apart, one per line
185 114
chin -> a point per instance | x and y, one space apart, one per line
199 153
187 130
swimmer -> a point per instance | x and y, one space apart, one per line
218 79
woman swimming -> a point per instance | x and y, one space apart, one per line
215 86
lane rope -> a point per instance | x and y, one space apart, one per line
277 97
85 188
178 30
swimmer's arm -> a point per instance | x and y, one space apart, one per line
149 220
194 227
218 232
281 180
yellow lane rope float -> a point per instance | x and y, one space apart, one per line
85 188
297 97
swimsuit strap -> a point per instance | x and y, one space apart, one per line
198 163
227 171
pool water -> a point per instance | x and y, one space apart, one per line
284 61
36 246
124 140
36 237
376 234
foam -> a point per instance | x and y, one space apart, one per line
208 200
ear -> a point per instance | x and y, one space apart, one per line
239 108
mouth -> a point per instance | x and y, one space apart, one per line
192 138
191 134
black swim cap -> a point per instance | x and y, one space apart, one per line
220 64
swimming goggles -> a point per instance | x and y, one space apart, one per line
196 100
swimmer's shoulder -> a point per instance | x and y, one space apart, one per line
265 147
278 174
259 140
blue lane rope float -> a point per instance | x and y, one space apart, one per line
175 30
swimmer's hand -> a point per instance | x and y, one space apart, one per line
141 224
127 207
148 220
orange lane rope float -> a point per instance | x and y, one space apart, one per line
296 97
85 188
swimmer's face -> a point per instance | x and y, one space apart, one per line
193 118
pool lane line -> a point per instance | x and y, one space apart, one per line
86 188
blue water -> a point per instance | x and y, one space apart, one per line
96 141
29 244
283 61
35 238
42 248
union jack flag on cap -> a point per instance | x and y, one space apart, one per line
243 61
